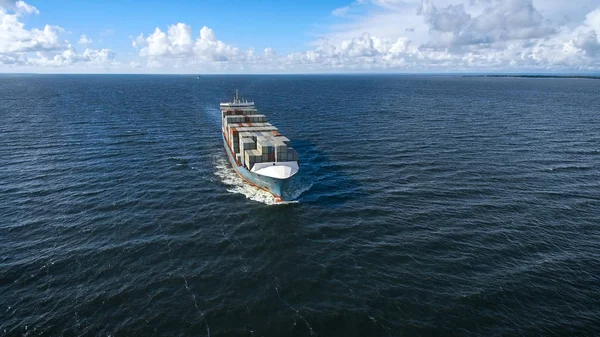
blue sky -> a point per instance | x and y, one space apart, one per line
309 36
258 24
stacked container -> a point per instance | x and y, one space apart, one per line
246 143
252 157
253 139
245 119
266 148
292 155
238 112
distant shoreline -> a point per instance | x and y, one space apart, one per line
539 76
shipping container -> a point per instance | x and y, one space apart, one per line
292 154
252 157
246 144
279 145
284 140
264 145
282 156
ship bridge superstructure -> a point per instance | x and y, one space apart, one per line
237 103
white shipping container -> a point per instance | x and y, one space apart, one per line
255 156
255 129
279 146
261 138
260 143
264 144
284 140
247 144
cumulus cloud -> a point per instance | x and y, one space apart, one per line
178 44
585 38
39 47
379 35
69 56
363 52
500 35
14 38
592 19
26 8
502 21
84 39
463 35
18 6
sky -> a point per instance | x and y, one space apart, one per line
310 36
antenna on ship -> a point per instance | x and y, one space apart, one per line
236 95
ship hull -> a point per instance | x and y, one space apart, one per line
272 185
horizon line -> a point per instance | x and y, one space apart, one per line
500 73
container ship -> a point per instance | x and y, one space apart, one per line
257 151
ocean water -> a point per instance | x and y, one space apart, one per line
425 206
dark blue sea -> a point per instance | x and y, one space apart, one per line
425 206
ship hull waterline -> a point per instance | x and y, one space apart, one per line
271 185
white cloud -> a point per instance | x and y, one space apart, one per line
374 35
392 4
20 46
26 8
588 42
341 11
179 46
14 38
18 6
505 20
69 57
465 35
593 19
475 35
84 39
586 37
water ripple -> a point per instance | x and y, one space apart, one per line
462 206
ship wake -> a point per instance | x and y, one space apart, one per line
236 184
